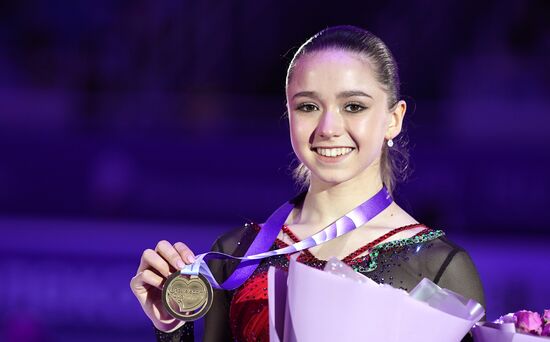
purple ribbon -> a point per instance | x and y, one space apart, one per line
259 249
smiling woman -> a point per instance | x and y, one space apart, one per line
345 111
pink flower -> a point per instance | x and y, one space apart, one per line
508 318
546 316
546 330
528 322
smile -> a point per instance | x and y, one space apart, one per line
333 152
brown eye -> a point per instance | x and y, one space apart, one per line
354 108
307 107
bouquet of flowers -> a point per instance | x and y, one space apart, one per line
521 326
338 304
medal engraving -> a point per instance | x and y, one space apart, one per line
185 297
189 294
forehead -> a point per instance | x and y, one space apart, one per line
331 69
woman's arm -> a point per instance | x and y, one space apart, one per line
459 274
216 322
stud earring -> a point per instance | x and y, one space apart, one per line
390 143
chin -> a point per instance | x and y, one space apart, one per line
330 179
350 174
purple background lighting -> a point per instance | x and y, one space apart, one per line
123 123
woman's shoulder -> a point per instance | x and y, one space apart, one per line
456 269
435 243
443 247
236 240
430 247
445 262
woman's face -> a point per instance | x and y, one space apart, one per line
339 116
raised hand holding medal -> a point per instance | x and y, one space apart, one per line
187 294
156 265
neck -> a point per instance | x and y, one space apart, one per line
326 202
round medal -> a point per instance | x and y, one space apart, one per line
187 297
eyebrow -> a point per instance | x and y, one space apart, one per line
352 93
306 94
343 94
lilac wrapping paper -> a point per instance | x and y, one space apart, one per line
447 301
276 287
506 332
324 306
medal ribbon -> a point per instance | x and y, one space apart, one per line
270 229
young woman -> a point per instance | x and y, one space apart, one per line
345 111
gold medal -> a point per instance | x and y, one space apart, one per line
187 297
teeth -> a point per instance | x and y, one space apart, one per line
333 152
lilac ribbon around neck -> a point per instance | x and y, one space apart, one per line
259 249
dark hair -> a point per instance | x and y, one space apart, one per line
394 161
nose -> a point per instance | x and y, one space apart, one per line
330 124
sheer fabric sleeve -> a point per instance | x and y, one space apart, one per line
183 334
442 261
217 324
459 274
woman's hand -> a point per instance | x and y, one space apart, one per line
155 266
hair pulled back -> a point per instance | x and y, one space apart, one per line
394 161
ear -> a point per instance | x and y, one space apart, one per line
396 115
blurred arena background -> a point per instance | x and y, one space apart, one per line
126 122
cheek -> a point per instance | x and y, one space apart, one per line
300 130
300 133
367 133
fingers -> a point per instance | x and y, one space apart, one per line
171 254
165 258
186 254
148 277
152 260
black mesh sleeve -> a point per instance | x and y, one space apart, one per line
183 334
459 274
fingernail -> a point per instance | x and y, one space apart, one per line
191 258
180 264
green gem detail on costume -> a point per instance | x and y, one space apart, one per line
372 257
